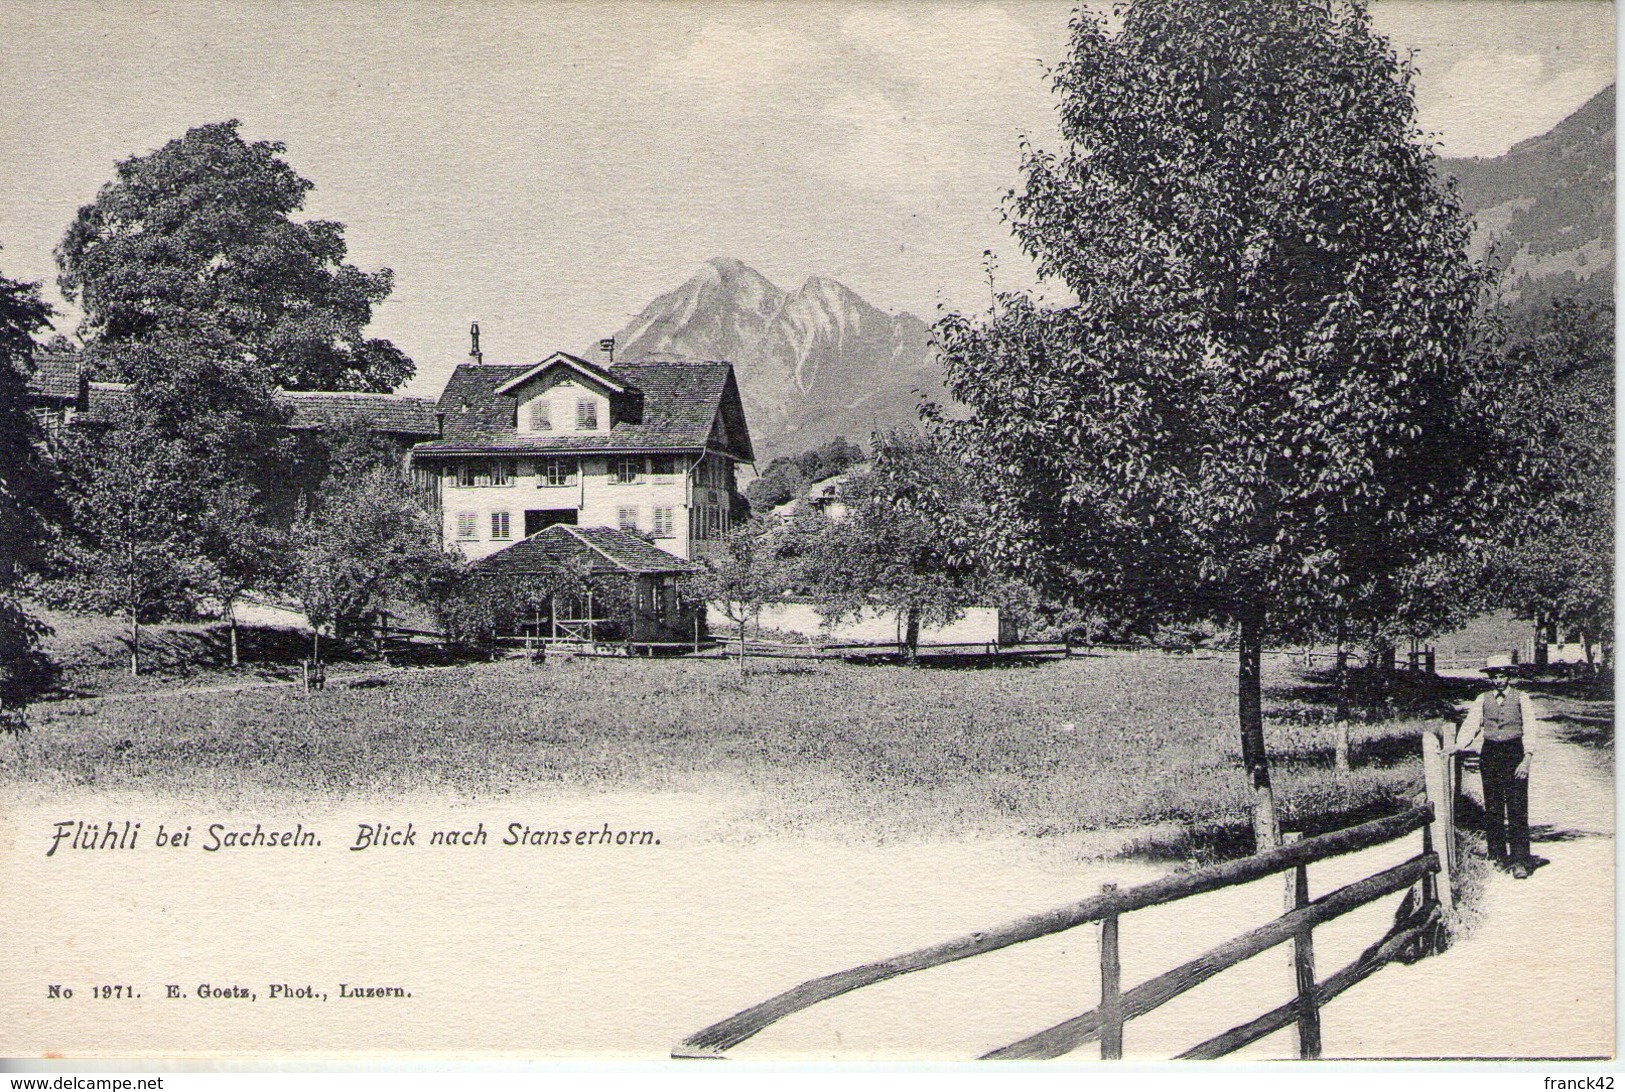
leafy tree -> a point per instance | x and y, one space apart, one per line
198 237
239 550
906 545
27 496
1264 404
836 457
781 483
133 549
473 608
368 539
745 572
1554 564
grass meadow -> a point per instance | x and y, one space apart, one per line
1119 742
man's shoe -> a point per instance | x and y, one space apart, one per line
1521 871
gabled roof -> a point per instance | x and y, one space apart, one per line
56 376
399 414
602 549
681 404
564 360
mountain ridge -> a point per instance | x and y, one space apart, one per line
813 363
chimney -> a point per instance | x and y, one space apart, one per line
474 353
607 345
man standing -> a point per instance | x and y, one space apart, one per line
1503 766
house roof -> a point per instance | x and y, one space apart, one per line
684 407
56 375
394 413
602 549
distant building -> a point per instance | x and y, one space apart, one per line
57 388
645 448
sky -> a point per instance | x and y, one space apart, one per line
547 169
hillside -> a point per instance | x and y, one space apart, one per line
812 364
1547 206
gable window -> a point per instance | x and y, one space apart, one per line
541 416
628 518
626 469
467 526
556 472
586 414
499 525
663 523
663 466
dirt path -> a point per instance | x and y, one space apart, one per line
1535 978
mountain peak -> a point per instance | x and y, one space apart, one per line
811 364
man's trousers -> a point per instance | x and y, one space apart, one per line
1506 800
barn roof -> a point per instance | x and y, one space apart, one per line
56 375
682 407
602 549
399 414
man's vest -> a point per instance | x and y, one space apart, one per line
1503 720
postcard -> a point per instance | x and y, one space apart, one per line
812 532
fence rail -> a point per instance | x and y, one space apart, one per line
1107 907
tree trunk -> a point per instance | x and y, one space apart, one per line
742 616
135 644
1340 744
231 611
911 637
315 646
1542 654
1250 706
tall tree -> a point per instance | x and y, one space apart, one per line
1263 403
199 237
27 495
133 549
1554 565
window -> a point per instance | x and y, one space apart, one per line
541 416
628 518
499 525
478 473
663 523
626 468
466 526
663 466
556 472
586 414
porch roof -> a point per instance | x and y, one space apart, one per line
602 549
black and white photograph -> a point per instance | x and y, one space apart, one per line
807 532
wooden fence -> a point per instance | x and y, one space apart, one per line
1417 930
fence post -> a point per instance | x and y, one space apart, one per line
1303 959
1437 833
1111 986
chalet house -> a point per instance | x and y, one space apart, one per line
644 448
